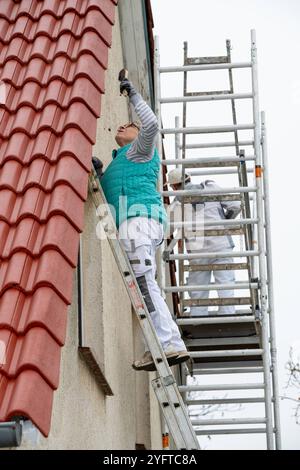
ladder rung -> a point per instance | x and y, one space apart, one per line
242 143
195 68
217 301
219 164
220 422
241 312
222 59
208 192
207 129
216 223
207 161
215 267
212 286
226 353
231 431
223 232
211 387
216 171
208 267
215 320
229 370
199 199
222 254
206 97
222 364
235 340
202 93
224 401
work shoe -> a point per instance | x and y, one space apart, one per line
182 356
147 363
170 354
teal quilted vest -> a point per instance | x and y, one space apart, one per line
131 188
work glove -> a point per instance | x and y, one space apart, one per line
230 214
127 86
98 165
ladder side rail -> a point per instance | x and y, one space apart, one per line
270 282
157 95
167 414
261 246
175 401
242 176
173 239
249 236
169 244
177 141
181 244
234 119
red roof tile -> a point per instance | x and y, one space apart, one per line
53 57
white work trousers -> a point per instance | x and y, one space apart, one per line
204 278
145 236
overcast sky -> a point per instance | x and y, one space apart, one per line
206 25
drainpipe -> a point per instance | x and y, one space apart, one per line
80 296
10 434
150 74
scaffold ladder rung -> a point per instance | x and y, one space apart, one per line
196 68
207 129
206 97
206 162
226 353
217 301
210 387
221 254
243 143
224 401
220 422
212 286
230 370
210 432
218 319
216 267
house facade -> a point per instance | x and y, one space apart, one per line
71 336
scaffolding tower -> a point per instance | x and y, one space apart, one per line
242 345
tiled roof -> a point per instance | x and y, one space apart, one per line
53 56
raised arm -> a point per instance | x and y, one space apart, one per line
142 148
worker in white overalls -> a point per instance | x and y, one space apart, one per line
130 186
201 212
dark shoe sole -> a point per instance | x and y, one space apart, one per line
148 367
180 359
171 360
